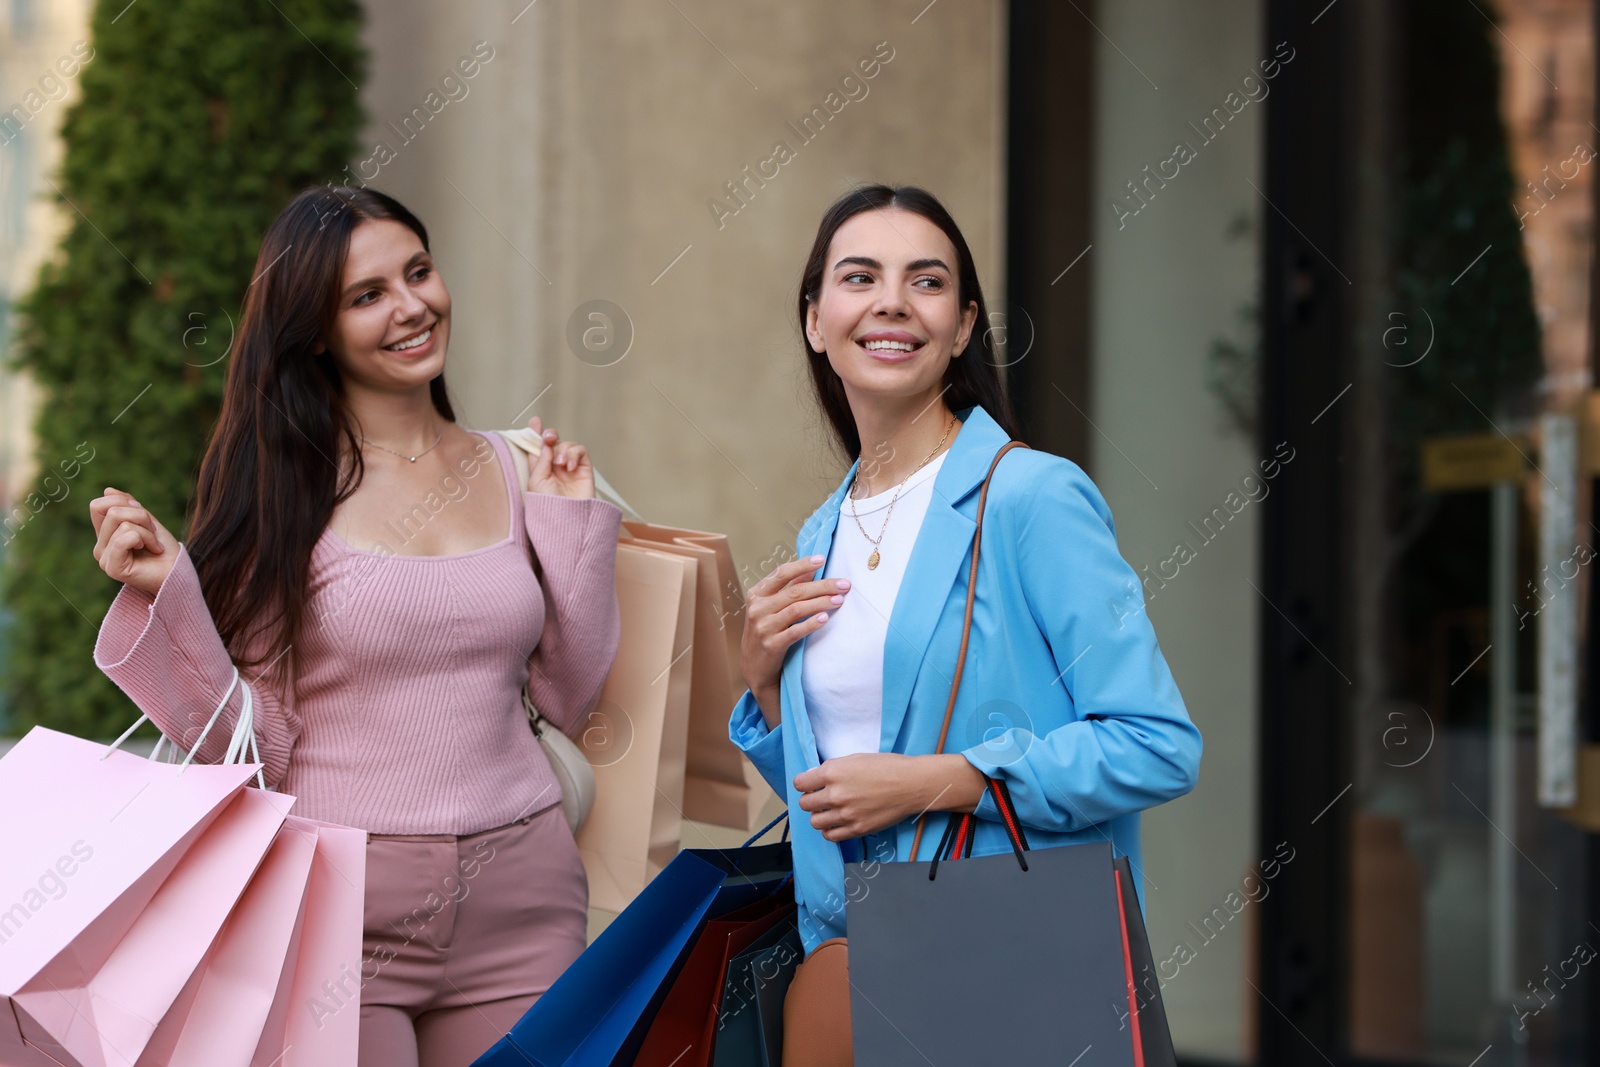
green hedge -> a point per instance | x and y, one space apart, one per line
198 121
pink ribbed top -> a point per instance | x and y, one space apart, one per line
407 715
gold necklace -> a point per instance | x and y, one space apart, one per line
402 455
873 560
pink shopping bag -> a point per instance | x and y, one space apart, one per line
271 1041
105 1017
219 1017
88 839
316 1016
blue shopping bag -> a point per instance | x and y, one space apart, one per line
597 1013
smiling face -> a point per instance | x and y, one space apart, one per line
887 312
392 323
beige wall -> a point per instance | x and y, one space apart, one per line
31 222
579 166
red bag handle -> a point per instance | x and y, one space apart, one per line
959 832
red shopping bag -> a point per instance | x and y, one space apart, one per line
88 840
685 1026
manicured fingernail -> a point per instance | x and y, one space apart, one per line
816 559
844 583
823 617
837 599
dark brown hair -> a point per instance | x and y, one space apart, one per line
270 479
969 380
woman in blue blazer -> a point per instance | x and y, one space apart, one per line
1065 694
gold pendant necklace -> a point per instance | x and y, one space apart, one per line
874 559
402 455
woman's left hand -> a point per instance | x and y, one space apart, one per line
850 796
562 468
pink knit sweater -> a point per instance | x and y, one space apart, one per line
406 717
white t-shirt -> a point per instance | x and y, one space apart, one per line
842 672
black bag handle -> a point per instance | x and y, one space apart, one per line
960 830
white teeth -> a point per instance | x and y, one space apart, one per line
889 346
420 339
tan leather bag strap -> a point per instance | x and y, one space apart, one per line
966 622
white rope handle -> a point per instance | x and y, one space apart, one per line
144 718
163 751
240 745
234 684
527 443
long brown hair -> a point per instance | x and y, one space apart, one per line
968 380
270 478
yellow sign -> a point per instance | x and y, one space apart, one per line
1586 812
1473 461
1589 433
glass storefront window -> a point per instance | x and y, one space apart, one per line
1470 219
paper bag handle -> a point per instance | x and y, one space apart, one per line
242 747
524 443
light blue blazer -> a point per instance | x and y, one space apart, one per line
1065 694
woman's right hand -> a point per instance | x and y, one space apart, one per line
130 544
780 609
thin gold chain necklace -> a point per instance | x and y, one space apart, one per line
402 455
872 560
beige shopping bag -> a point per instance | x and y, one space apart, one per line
720 785
636 735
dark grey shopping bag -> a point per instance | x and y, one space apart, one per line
1019 959
1147 1008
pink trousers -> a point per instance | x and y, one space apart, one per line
463 934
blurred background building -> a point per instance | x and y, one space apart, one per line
33 37
1306 289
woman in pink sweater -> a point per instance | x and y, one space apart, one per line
386 589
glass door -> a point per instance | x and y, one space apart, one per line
1462 434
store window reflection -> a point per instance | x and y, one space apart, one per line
1472 219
